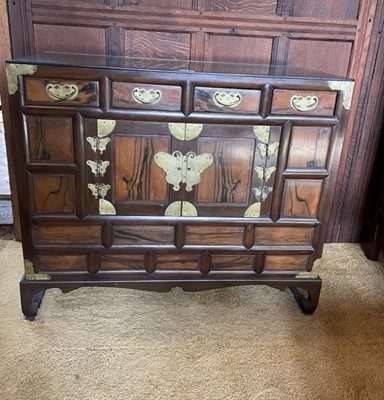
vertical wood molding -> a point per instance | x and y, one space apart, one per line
360 69
5 54
21 27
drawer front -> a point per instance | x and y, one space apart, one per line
233 101
298 102
61 92
146 97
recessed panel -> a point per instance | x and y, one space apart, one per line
214 236
177 262
53 194
280 236
285 263
301 198
340 9
309 147
143 235
160 45
260 7
68 234
228 179
137 177
63 263
237 49
50 139
232 263
122 262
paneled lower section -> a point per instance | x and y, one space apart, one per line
309 147
178 262
53 194
123 262
82 234
285 263
232 263
50 139
63 263
214 236
301 198
143 235
270 236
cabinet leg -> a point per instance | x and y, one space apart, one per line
307 296
31 296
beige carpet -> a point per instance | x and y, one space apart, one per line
237 343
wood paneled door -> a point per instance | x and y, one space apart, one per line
338 38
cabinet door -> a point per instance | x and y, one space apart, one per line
122 176
241 178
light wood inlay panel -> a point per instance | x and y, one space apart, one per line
260 7
285 263
268 236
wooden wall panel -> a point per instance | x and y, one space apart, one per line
174 4
260 7
338 9
72 39
151 44
233 48
325 56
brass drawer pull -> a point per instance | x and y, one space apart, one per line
304 103
62 92
227 99
146 96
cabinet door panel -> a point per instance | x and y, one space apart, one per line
50 139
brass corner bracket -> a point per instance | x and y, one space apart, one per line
345 86
13 71
31 275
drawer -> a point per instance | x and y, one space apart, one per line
298 102
61 92
146 97
233 101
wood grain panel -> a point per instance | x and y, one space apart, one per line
329 57
205 100
178 262
123 96
232 263
36 92
143 235
168 4
301 198
71 39
63 263
254 50
228 179
268 236
53 194
281 103
151 44
68 234
260 7
309 147
123 262
137 177
340 9
214 236
285 263
50 139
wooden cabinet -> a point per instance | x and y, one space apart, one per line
156 178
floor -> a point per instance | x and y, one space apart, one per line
6 218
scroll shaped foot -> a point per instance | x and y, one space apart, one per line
307 296
31 296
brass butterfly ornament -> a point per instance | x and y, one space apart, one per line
180 168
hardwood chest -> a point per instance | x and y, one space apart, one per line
152 174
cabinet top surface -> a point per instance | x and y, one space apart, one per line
154 64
